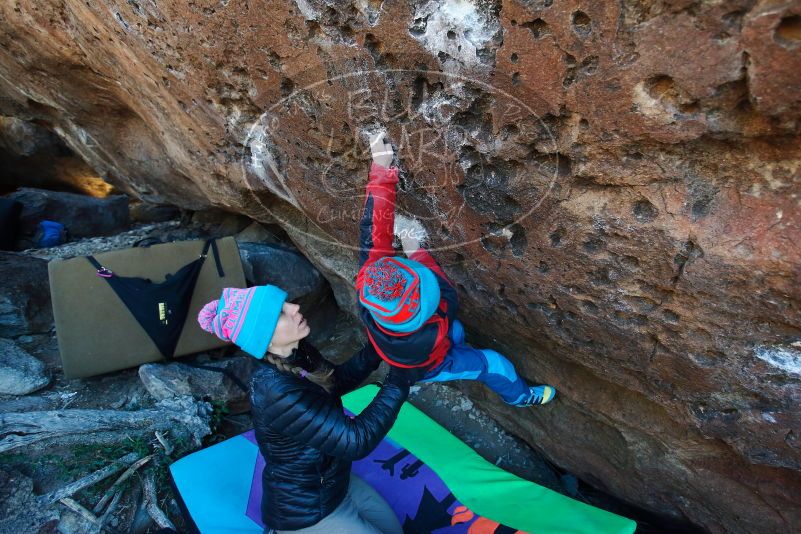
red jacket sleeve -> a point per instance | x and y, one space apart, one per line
378 217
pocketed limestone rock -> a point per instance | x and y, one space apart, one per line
612 187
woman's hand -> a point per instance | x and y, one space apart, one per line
405 377
381 150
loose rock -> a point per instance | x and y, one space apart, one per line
82 216
19 509
162 232
145 212
20 373
167 380
24 295
259 233
285 267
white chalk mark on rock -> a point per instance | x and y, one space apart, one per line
785 358
264 164
409 227
309 13
455 28
369 11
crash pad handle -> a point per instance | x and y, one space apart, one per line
102 272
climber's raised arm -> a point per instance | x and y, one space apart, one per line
378 214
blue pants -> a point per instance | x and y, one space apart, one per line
463 362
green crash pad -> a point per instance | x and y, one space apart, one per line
486 489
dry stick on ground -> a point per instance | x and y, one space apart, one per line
80 510
164 443
30 403
131 508
111 490
103 519
88 480
69 427
152 505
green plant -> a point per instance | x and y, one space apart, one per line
218 412
12 459
181 446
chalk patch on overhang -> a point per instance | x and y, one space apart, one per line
787 359
266 166
457 30
369 10
410 227
308 11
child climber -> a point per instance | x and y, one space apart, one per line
409 306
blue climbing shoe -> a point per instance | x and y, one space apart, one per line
538 395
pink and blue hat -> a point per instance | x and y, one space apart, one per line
247 317
400 294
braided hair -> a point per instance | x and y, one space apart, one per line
305 362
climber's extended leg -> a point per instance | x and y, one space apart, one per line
464 362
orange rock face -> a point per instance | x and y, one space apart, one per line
613 186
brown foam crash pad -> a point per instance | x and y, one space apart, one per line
96 331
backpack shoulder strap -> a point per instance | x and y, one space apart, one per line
213 244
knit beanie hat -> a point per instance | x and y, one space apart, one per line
400 294
246 317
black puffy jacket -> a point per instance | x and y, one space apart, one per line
307 440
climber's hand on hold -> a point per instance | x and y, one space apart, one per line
381 150
410 234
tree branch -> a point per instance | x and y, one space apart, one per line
70 427
74 487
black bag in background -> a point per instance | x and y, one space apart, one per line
9 223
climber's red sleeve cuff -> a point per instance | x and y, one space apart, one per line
380 175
